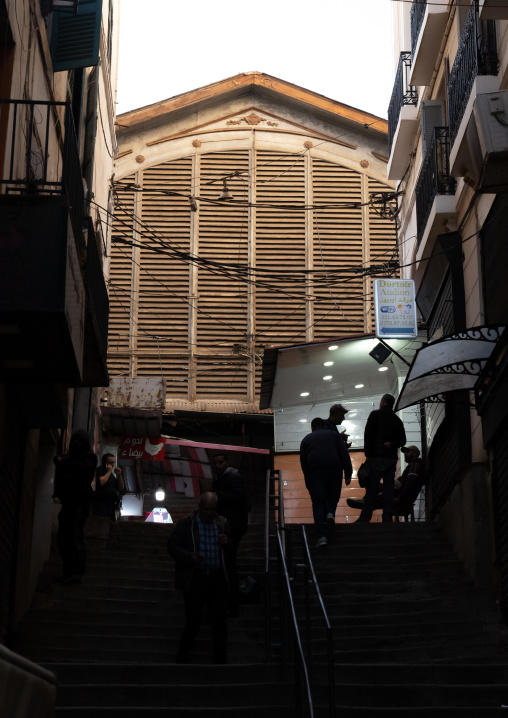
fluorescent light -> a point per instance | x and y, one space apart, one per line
333 347
303 421
359 386
327 378
383 368
328 363
304 393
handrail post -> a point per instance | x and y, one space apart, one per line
331 672
267 568
308 632
298 690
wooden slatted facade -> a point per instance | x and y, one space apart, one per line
206 331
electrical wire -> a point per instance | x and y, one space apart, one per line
228 269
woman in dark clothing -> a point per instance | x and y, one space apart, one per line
108 487
73 486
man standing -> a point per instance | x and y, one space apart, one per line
336 417
233 501
384 434
201 545
74 474
109 485
324 457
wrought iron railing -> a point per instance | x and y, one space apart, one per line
96 286
476 55
37 135
403 94
418 8
434 179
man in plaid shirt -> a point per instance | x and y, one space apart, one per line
201 546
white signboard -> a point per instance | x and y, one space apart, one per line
394 301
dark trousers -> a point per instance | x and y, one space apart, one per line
380 468
324 487
210 590
234 591
70 538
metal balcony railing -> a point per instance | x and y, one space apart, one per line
34 158
418 8
434 178
476 55
403 94
96 287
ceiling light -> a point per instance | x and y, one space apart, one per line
333 347
303 421
327 378
304 393
383 368
359 386
328 363
160 494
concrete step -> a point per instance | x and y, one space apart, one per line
198 695
165 673
435 673
236 654
268 711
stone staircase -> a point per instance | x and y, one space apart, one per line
412 635
112 641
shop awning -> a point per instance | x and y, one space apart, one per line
448 364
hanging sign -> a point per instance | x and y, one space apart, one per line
395 306
142 447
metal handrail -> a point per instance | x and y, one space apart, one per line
403 94
299 653
329 633
434 178
476 55
418 9
34 137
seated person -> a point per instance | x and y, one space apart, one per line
412 481
407 486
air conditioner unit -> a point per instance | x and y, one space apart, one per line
491 115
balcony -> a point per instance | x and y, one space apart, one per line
95 371
435 190
41 155
402 119
474 71
53 299
428 23
494 9
42 294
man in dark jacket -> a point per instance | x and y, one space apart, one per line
233 501
200 543
324 457
336 417
74 473
384 435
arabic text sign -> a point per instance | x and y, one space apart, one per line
142 447
394 301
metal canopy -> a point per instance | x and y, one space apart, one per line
448 364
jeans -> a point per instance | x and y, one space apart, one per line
211 591
324 487
380 468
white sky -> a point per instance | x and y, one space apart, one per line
339 48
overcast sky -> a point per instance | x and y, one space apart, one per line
338 48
